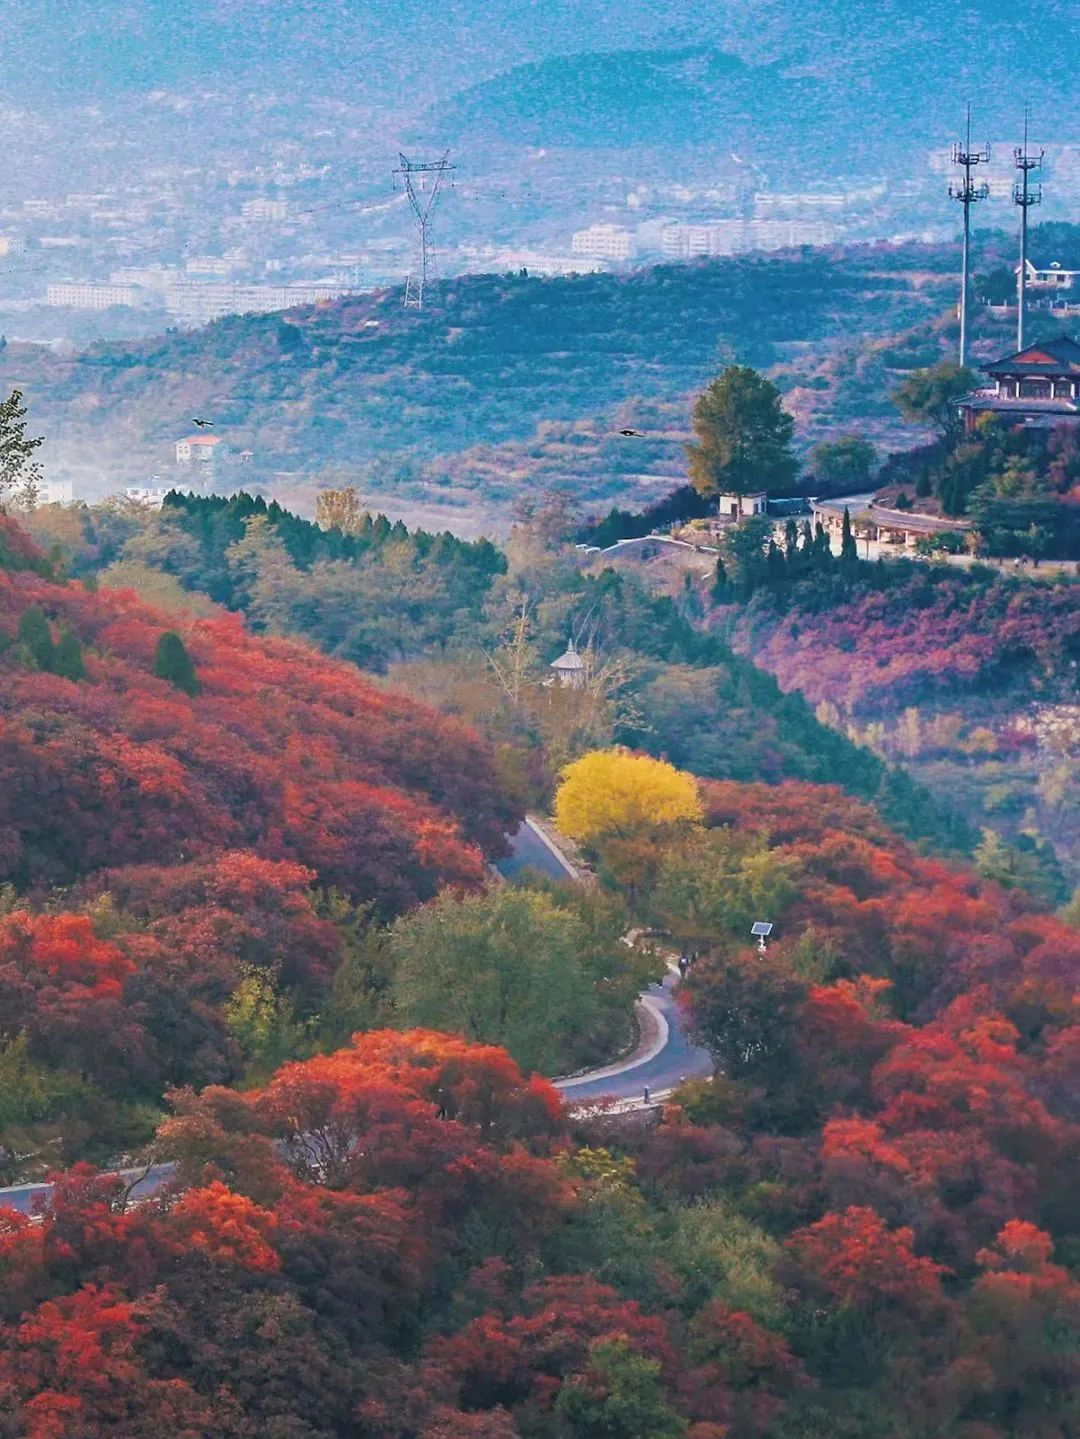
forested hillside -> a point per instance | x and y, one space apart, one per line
862 1230
224 815
419 406
968 679
472 629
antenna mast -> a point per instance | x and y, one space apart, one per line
1025 195
423 195
968 193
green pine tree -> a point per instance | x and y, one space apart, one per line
173 663
35 638
848 551
67 658
721 586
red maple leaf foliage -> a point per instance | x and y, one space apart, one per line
281 751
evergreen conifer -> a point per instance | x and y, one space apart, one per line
848 552
173 663
35 637
67 657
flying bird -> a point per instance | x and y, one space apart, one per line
632 434
203 424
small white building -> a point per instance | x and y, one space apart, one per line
569 668
152 497
1050 277
198 450
741 506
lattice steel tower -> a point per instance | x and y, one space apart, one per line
1025 195
968 193
423 181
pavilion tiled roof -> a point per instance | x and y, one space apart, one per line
1060 356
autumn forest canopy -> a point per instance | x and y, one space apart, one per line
281 1035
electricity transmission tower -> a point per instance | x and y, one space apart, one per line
423 182
1025 195
968 193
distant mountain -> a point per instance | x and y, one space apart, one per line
627 98
852 85
908 61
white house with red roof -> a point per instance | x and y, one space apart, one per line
201 451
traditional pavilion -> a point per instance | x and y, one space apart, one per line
569 668
1039 387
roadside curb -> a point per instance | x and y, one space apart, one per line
571 869
641 1055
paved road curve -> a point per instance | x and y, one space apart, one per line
658 1070
661 1067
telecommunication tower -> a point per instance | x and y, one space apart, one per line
1025 195
968 193
423 181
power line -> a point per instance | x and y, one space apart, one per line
968 193
1024 195
423 182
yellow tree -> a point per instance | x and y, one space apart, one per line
622 804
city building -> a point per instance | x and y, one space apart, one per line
75 296
732 237
603 242
12 245
208 265
264 210
152 496
55 492
197 303
537 264
1039 386
769 203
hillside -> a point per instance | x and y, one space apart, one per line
747 77
182 874
118 764
967 680
407 406
620 98
869 1214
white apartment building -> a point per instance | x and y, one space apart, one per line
264 210
769 203
732 237
194 303
208 265
12 245
538 264
603 242
75 296
55 492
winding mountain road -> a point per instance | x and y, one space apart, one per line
661 1062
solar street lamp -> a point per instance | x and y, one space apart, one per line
761 929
